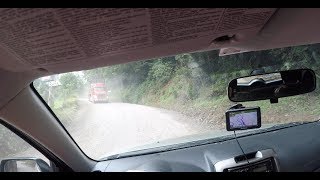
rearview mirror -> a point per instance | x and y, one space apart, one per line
272 85
24 165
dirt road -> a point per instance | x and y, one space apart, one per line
113 127
105 128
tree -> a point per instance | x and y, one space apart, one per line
71 84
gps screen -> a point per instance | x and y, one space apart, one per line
243 119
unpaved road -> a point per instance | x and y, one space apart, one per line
112 127
106 128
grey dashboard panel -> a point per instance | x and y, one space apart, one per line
296 149
199 158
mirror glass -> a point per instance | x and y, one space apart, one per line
272 85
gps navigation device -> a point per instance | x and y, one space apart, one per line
244 118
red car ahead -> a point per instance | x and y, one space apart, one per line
98 93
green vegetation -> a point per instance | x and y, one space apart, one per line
62 99
195 83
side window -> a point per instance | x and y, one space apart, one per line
16 155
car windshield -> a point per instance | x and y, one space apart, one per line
170 100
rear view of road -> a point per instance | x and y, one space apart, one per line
107 128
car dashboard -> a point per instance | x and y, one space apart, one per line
294 148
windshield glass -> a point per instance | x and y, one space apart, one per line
170 100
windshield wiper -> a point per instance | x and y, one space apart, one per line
296 123
275 127
169 147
